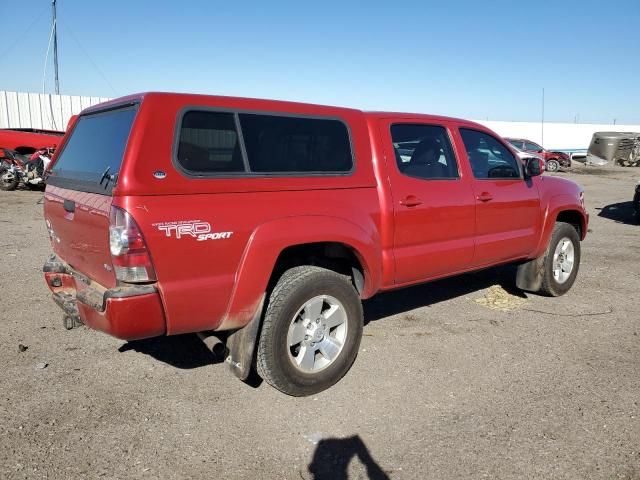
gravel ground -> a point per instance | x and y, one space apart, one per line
462 378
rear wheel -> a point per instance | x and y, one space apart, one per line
561 261
37 186
553 165
8 181
311 331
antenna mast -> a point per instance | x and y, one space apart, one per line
542 120
55 46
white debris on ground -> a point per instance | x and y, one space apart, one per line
497 298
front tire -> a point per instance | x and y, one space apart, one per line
311 331
561 261
8 181
553 165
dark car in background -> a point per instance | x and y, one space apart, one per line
553 160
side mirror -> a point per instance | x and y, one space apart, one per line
533 167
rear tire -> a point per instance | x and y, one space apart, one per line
553 165
311 331
561 260
37 187
6 183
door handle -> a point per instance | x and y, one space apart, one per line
411 201
485 197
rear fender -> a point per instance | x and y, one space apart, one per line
270 239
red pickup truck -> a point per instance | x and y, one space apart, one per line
268 222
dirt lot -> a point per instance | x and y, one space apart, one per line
445 386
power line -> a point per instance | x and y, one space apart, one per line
21 35
44 77
86 54
55 46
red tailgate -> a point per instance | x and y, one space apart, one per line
78 224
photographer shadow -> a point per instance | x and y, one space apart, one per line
333 455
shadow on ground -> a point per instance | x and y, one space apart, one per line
189 352
333 455
185 352
427 294
180 351
621 212
591 170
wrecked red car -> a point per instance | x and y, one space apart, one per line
26 141
553 160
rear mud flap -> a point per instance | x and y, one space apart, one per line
530 275
241 345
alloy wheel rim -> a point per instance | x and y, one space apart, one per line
563 260
317 334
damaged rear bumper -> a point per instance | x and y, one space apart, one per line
127 312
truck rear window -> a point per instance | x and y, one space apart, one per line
90 159
209 144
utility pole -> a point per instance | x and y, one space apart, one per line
542 123
55 46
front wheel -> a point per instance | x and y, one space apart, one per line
561 261
8 181
553 165
311 331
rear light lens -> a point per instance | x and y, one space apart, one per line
129 253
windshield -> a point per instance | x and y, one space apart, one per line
91 158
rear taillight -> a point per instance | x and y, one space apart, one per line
131 259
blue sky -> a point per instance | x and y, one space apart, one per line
472 59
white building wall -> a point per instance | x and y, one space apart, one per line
42 111
557 136
52 112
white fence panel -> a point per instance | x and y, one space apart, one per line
4 114
23 109
52 112
67 111
34 108
41 111
13 111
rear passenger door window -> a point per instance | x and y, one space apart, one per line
424 151
488 157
